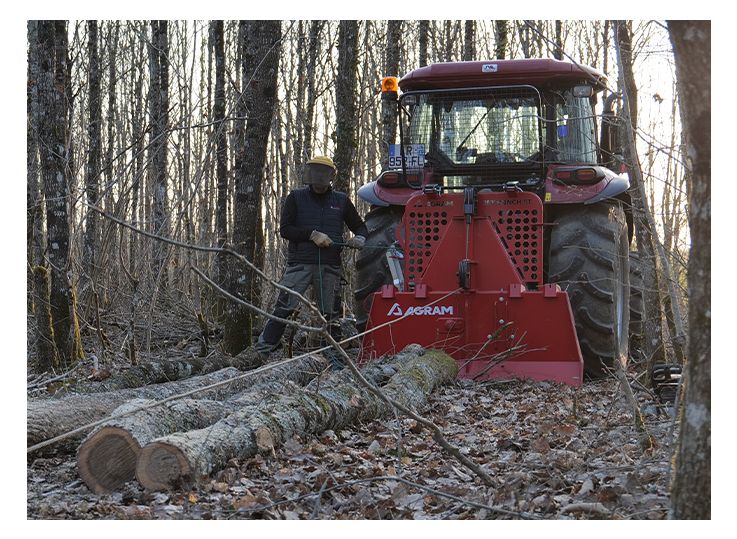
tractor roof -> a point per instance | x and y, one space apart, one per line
536 72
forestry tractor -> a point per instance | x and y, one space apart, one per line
500 229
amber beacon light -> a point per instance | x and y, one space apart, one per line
389 84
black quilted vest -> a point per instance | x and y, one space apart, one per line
325 214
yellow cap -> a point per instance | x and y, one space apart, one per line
322 160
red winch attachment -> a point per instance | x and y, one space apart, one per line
473 268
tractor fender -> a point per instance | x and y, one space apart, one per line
368 194
616 186
377 195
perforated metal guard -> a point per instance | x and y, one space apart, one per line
425 227
521 233
518 223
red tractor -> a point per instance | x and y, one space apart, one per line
500 230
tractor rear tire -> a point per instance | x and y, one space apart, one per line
372 268
589 258
637 304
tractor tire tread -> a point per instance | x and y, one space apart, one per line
587 253
372 268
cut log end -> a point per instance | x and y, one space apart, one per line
107 459
162 466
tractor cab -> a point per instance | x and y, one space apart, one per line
487 124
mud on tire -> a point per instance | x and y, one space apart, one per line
589 258
372 269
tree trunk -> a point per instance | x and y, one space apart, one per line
558 52
345 103
501 34
170 460
48 418
107 457
469 41
221 152
691 490
260 69
92 171
389 107
523 30
137 133
53 143
111 177
653 318
297 137
46 354
34 201
423 41
312 54
159 118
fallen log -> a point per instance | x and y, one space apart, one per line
49 418
107 457
188 456
165 370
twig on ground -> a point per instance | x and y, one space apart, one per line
40 383
433 491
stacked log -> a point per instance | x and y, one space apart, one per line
183 457
107 457
169 370
184 439
49 418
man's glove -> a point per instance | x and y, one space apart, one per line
320 239
357 242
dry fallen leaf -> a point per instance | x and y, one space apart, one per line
265 440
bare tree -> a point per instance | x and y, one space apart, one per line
159 117
424 32
217 38
309 117
691 497
53 144
558 50
92 170
34 203
653 318
391 68
501 38
469 41
261 53
345 103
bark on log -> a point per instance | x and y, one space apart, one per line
107 458
169 370
185 456
49 418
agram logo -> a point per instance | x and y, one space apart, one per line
436 310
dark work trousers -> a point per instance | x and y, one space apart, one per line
325 281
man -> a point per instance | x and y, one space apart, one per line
312 220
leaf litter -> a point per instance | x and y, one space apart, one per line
554 452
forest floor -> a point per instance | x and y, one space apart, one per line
554 452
